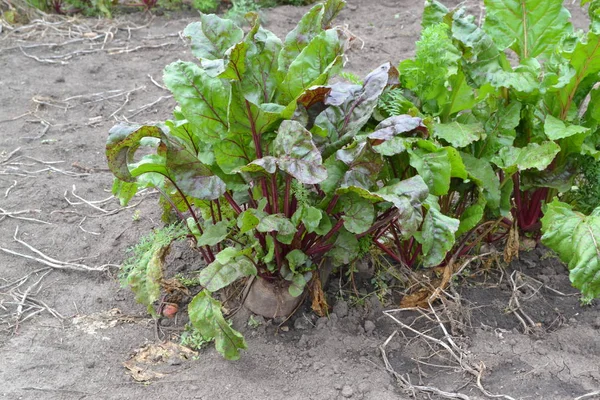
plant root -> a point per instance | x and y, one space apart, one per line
446 345
51 262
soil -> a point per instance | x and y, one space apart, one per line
63 86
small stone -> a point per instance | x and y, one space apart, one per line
301 324
90 364
364 387
369 327
596 323
352 7
341 308
322 322
303 342
174 361
285 328
317 365
338 386
347 391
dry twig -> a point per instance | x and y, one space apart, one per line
51 262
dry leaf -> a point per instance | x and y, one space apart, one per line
511 251
319 303
142 366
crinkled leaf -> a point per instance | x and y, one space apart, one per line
576 239
203 99
457 134
584 58
218 275
211 37
395 134
555 128
531 28
363 163
123 140
433 13
437 236
277 223
205 315
359 214
145 280
313 66
407 196
214 234
297 154
191 176
534 155
350 107
312 23
484 63
309 216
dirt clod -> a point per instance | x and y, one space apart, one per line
341 308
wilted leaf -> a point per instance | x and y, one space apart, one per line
437 236
218 275
205 315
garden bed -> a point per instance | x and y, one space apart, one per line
64 85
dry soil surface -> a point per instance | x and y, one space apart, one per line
66 332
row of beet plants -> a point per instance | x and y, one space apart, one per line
274 169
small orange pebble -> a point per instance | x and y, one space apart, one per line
169 310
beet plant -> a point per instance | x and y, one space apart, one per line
514 102
267 164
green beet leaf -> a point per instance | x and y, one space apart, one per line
297 154
531 28
205 315
305 71
214 234
359 213
217 275
555 128
457 134
408 197
538 156
576 239
191 176
472 216
437 235
203 99
211 37
123 141
345 248
350 107
276 223
482 173
434 168
312 23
